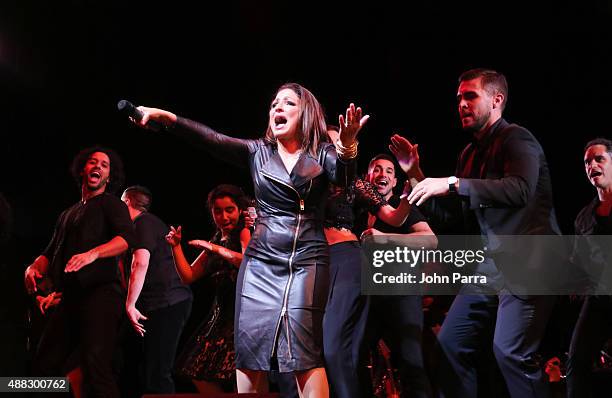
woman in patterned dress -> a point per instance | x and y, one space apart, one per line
208 356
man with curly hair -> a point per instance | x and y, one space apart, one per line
81 262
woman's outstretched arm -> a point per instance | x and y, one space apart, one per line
223 147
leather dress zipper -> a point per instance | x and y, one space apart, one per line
284 316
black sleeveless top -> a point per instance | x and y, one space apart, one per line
345 205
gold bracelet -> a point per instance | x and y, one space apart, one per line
351 147
348 152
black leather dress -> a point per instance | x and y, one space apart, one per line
283 280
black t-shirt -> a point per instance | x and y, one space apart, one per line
79 229
162 286
414 217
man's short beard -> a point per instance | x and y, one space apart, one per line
478 124
101 184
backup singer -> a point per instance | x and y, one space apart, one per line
81 260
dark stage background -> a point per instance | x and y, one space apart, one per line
65 64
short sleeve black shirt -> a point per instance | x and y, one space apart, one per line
414 217
80 228
162 286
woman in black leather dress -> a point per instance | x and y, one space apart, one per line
283 280
208 356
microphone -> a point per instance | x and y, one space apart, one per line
128 109
252 211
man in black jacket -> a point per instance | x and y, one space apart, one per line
593 252
501 187
81 261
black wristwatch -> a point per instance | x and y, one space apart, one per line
452 180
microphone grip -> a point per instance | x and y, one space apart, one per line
252 211
129 110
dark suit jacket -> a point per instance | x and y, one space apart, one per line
505 189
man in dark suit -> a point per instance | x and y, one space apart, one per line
592 253
501 187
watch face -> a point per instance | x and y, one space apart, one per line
451 184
